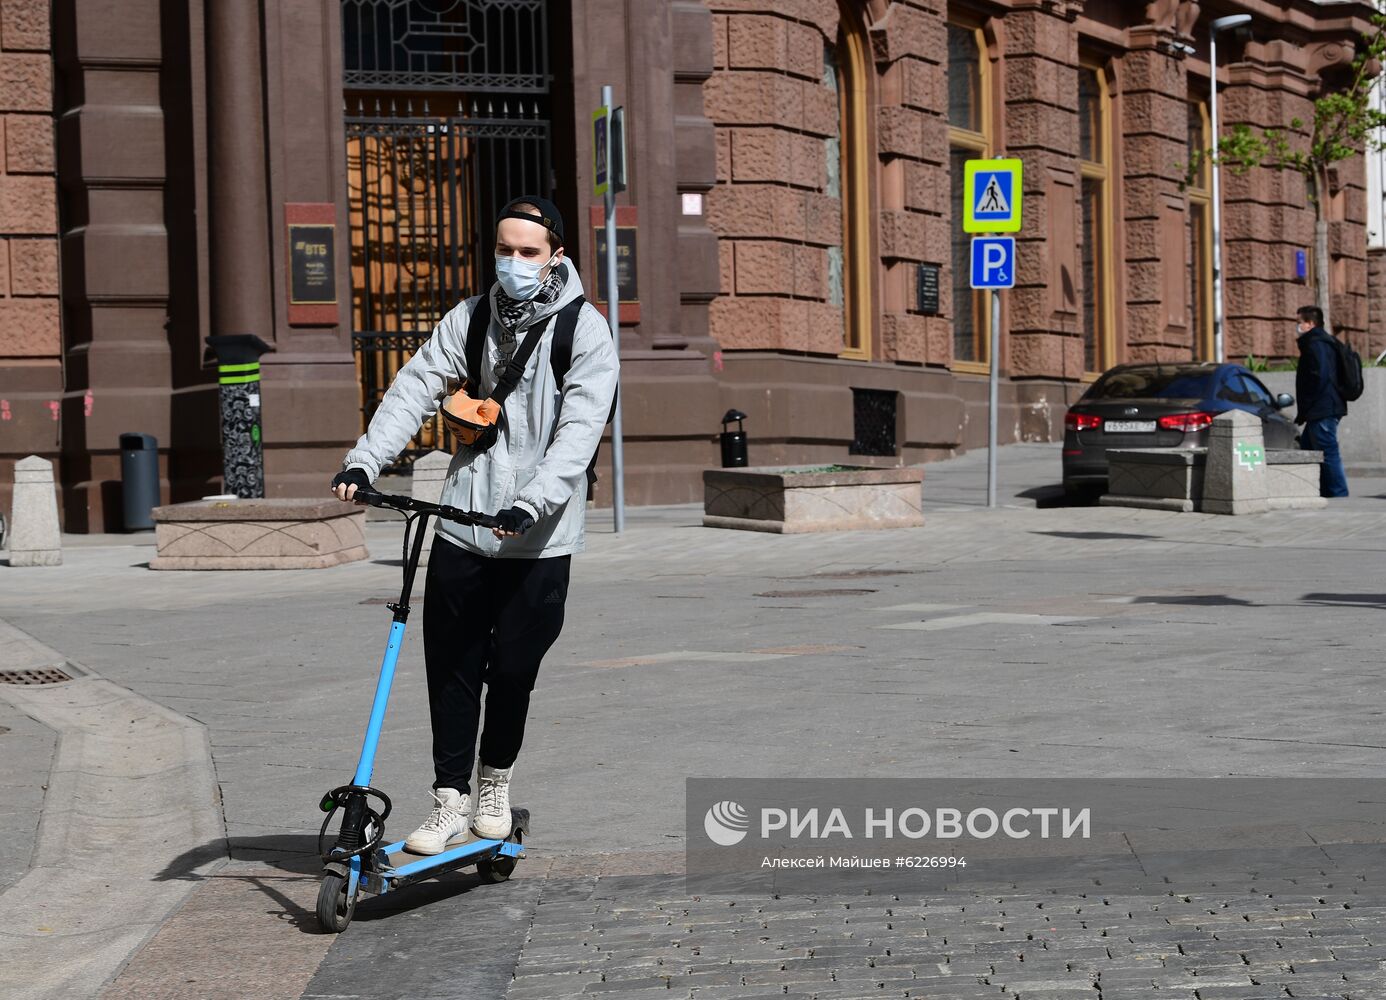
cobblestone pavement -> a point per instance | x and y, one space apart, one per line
641 936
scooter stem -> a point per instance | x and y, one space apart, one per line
366 765
382 701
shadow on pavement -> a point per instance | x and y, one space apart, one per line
296 857
190 865
411 897
1377 601
1199 601
292 853
1053 495
1094 536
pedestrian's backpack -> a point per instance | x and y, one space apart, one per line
1350 382
560 354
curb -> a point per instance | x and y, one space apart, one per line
130 824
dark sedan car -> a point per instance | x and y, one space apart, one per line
1171 405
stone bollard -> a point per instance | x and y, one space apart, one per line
430 471
1235 478
35 539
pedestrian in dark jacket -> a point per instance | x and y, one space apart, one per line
1320 399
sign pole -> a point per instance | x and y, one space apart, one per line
994 355
992 194
613 315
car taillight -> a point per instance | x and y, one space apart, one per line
1082 421
1186 422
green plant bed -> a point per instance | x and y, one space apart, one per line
1256 364
810 470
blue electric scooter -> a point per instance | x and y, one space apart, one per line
359 861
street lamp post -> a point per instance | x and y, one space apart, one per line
1221 24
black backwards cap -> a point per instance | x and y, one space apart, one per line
549 217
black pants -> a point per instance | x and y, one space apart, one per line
485 620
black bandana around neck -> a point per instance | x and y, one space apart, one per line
515 314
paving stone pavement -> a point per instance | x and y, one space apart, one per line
1028 641
643 936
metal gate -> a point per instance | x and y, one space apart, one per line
447 121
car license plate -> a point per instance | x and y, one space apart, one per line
1129 426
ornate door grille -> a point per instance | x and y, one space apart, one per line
474 46
424 188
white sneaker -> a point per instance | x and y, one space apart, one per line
492 819
447 820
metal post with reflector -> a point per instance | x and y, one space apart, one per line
238 374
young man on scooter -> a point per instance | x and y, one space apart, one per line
494 599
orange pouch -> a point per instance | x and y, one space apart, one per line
472 421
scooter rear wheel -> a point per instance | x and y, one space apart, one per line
336 905
495 870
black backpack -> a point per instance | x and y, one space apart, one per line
1349 380
560 355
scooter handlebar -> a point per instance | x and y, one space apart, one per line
375 498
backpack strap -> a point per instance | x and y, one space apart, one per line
561 351
514 370
561 359
475 346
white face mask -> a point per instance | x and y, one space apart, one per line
519 278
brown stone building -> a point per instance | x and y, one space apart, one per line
795 186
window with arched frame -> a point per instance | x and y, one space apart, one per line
1200 259
846 69
1096 217
970 137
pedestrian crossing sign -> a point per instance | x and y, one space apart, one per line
991 196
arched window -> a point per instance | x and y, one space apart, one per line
846 68
1200 260
969 138
1094 153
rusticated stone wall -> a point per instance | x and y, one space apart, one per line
909 43
780 222
773 117
1040 126
1266 213
1154 102
1376 302
30 328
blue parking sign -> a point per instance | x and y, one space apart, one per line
993 262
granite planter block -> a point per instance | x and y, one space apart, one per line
1235 480
1293 480
35 539
794 499
258 534
1154 478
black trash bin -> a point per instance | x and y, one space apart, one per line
733 441
139 479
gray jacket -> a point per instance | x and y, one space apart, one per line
539 461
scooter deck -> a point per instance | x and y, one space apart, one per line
396 867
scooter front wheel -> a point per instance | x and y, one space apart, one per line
336 903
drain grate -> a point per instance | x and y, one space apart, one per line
48 675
